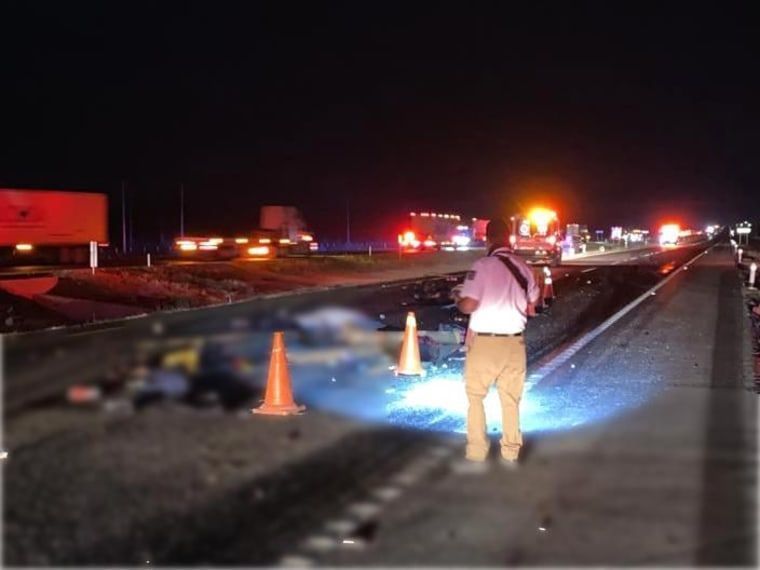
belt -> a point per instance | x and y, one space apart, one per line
496 334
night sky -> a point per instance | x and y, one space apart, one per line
610 114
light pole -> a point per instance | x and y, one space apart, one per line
123 220
182 210
348 223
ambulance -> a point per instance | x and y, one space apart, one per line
536 236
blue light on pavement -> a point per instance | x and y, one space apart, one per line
438 402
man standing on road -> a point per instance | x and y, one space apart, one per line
496 294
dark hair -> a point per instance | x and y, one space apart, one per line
496 230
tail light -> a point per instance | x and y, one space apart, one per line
258 250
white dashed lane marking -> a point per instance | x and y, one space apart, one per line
387 493
296 562
340 532
364 510
341 527
320 543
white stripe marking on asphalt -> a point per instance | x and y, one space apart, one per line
406 478
341 526
387 493
364 510
320 543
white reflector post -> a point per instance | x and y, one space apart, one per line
93 255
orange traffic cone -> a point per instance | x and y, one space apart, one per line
278 399
409 363
548 293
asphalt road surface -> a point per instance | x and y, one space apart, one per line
640 438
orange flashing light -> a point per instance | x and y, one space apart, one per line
542 216
669 234
408 239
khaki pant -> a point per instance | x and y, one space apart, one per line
502 360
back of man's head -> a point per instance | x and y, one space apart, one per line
496 231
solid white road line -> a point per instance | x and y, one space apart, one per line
553 362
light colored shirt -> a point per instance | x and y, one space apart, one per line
502 303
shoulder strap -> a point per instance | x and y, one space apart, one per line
516 273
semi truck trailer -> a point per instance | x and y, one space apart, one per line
51 225
281 232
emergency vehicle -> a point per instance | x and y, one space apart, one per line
479 226
669 234
431 231
536 236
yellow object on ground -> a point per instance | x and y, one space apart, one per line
186 358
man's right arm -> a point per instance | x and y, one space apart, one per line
534 292
471 292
